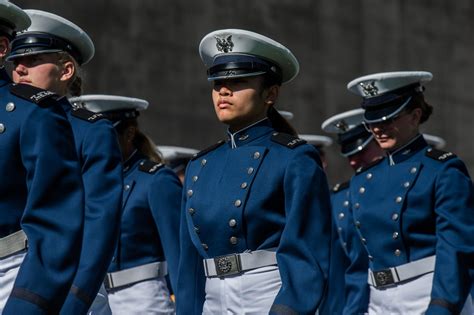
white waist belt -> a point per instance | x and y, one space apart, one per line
135 274
13 243
401 273
227 265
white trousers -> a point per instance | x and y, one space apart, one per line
142 298
252 292
412 297
100 306
9 267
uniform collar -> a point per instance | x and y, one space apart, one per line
249 133
408 150
132 159
4 78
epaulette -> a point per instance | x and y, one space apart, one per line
32 93
287 140
150 167
87 115
341 186
206 150
439 155
370 165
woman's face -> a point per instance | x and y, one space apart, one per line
42 70
240 102
395 133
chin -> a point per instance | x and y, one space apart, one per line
387 144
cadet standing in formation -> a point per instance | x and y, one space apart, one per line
255 204
48 55
150 214
412 209
359 147
41 195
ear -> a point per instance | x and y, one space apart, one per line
68 71
272 94
416 114
4 47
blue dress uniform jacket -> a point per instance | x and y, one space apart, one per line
101 164
41 193
419 206
266 192
344 297
152 194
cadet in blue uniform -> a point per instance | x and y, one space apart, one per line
149 229
360 149
41 196
48 55
412 209
255 226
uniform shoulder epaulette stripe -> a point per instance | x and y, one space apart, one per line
439 155
341 186
87 115
287 140
208 149
370 165
32 93
150 167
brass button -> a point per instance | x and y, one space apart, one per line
237 203
205 246
341 216
395 235
2 128
243 185
406 184
361 190
195 178
413 170
250 170
190 193
368 176
397 252
10 107
256 155
203 162
398 199
234 240
232 222
395 216
191 211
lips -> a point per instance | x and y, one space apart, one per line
223 103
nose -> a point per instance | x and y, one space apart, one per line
224 90
20 69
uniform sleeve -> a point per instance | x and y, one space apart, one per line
165 203
53 215
190 293
303 252
454 208
102 177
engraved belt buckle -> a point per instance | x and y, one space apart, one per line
227 265
383 277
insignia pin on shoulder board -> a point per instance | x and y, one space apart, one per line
150 167
439 155
31 93
84 114
287 140
340 186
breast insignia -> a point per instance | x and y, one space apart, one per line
341 186
287 140
439 155
87 115
32 93
209 149
150 167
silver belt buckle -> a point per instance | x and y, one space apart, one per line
383 277
227 265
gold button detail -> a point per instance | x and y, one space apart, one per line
237 203
398 199
234 240
256 155
203 162
243 185
395 235
10 107
397 252
232 222
250 170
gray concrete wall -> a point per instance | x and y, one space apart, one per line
148 49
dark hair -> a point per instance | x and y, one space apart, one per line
279 123
142 142
418 101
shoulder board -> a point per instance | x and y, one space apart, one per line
370 165
206 150
341 186
32 93
87 115
150 167
287 140
439 155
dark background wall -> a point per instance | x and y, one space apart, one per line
148 49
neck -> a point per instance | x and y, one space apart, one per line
234 128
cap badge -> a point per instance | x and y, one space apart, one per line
342 125
224 44
369 88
